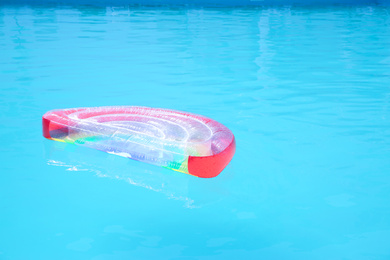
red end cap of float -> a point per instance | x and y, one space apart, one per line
53 130
45 127
211 166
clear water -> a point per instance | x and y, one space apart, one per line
306 91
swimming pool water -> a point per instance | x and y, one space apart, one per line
305 90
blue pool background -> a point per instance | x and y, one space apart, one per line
305 90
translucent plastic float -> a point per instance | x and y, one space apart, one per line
176 140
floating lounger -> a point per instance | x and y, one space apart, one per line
176 140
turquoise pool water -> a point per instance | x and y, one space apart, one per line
305 90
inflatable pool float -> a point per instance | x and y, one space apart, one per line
176 140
